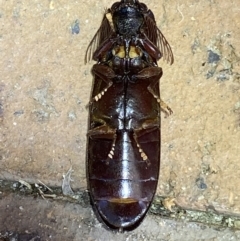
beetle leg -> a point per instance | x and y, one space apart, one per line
155 74
104 132
142 153
105 73
150 123
151 48
153 88
147 127
104 47
165 108
138 133
111 153
150 72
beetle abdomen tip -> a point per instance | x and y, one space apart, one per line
125 213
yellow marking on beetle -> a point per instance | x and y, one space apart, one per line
144 156
110 20
120 52
99 96
111 153
123 200
134 52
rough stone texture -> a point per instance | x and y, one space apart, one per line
45 87
29 219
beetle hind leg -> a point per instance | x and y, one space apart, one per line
111 153
104 132
141 152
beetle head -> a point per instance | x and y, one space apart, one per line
128 16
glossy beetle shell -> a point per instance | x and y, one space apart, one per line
124 128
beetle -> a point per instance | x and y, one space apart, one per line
123 153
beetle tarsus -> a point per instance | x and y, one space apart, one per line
165 108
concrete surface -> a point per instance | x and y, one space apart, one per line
37 219
45 86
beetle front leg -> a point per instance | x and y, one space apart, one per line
150 48
104 47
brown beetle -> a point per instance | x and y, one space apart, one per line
124 129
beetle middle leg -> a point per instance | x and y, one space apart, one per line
106 74
154 74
